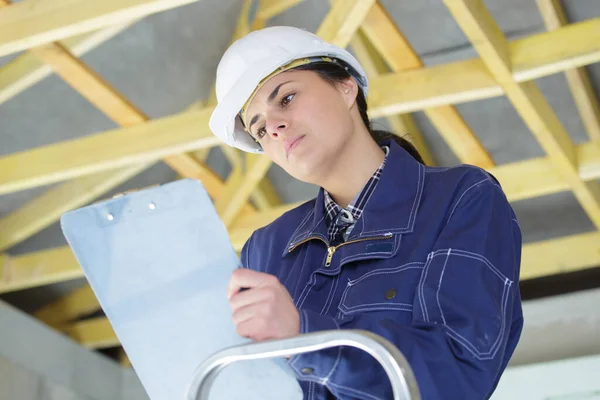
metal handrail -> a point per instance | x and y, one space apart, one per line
399 372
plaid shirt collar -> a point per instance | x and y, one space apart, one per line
337 218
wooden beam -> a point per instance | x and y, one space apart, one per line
440 85
43 211
532 57
59 264
459 136
271 8
93 333
258 220
89 84
401 124
547 53
26 70
78 303
107 150
343 20
530 178
38 268
583 93
380 29
46 209
35 22
489 41
566 254
461 81
108 100
264 195
239 186
588 155
105 97
124 359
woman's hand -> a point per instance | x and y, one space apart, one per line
265 309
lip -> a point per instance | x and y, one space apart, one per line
292 144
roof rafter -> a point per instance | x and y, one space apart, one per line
78 303
94 333
578 79
107 150
491 44
26 70
271 8
264 194
35 22
400 124
531 57
400 56
456 82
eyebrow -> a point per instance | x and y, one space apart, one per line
269 100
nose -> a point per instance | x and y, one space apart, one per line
276 127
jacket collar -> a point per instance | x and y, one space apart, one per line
392 208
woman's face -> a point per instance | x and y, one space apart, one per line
302 122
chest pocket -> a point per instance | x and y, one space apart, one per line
383 289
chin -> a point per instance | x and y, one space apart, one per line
309 169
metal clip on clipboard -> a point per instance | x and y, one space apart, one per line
399 372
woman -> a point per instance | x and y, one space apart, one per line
425 257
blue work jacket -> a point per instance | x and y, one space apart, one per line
432 265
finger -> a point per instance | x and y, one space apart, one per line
254 328
250 312
247 278
251 296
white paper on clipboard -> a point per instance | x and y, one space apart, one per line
159 261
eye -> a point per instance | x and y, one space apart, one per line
261 132
286 99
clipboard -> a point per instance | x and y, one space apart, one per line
159 261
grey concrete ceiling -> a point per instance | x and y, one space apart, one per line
167 61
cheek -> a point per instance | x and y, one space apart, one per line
320 116
273 151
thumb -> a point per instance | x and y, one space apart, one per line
243 278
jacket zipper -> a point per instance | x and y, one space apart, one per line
332 249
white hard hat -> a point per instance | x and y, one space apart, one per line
256 56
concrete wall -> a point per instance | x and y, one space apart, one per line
37 363
573 379
131 387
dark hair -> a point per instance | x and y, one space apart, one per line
336 72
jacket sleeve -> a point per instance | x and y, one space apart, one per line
466 313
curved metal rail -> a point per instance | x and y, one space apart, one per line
399 372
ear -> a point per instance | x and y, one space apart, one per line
349 91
